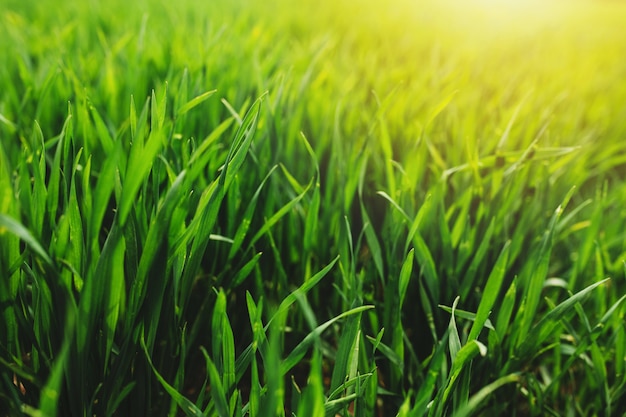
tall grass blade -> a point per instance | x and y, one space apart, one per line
491 292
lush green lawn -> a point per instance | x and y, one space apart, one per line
347 207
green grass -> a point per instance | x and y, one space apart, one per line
345 208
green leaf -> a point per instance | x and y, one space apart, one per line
347 352
548 323
488 391
312 402
246 221
302 290
478 259
277 216
140 162
461 361
491 292
427 265
184 404
405 277
194 102
466 315
245 271
533 284
49 402
300 350
241 144
454 340
506 310
217 388
15 227
223 342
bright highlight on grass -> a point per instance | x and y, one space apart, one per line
343 208
508 8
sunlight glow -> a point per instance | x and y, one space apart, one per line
503 14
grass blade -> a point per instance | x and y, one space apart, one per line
18 229
184 404
490 293
548 323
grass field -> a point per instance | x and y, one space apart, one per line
344 208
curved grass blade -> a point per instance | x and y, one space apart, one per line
473 404
184 108
185 405
300 350
18 229
546 326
